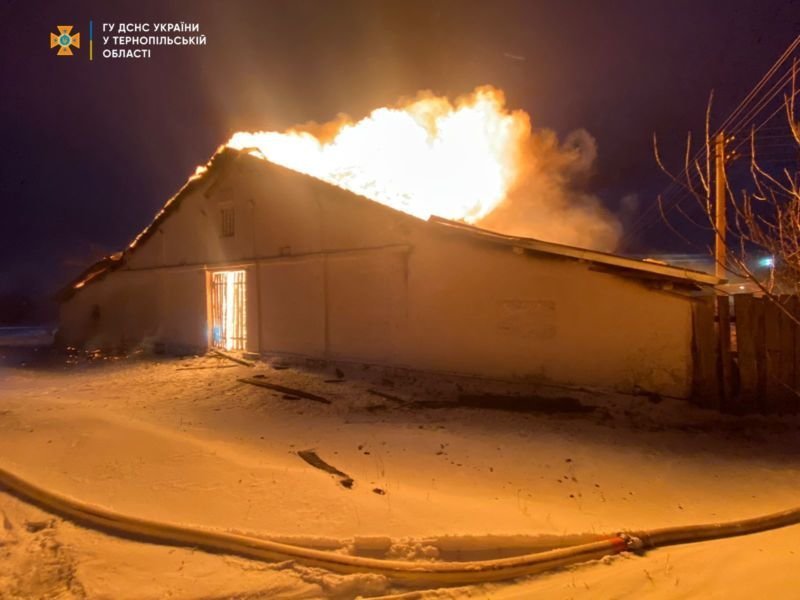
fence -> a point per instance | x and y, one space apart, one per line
748 362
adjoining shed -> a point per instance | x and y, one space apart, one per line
256 257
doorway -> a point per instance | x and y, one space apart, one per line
228 313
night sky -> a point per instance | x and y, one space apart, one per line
91 150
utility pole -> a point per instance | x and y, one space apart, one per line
721 221
721 260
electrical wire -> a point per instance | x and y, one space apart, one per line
673 194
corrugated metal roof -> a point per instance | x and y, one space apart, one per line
604 258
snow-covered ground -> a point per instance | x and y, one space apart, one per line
182 440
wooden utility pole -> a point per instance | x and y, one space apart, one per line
721 259
721 221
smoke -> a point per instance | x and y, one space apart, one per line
548 200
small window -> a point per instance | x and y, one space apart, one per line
227 221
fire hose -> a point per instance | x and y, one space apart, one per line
408 572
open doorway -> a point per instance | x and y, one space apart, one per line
228 313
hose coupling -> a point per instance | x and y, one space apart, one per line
632 542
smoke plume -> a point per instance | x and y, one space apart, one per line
548 201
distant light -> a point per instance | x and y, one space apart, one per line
741 287
767 261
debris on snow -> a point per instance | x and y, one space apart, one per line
314 460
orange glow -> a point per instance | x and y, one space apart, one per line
228 309
429 156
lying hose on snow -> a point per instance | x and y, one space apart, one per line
442 573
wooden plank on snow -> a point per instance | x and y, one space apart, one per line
236 359
261 382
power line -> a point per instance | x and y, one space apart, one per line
674 191
772 115
757 88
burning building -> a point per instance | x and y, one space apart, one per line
286 256
252 256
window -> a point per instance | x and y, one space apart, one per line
227 221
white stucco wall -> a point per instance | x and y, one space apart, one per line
337 277
484 309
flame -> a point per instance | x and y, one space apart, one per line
429 156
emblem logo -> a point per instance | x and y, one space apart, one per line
64 39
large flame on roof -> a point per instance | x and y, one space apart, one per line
459 160
428 157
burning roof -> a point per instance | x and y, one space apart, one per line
427 156
226 155
472 160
